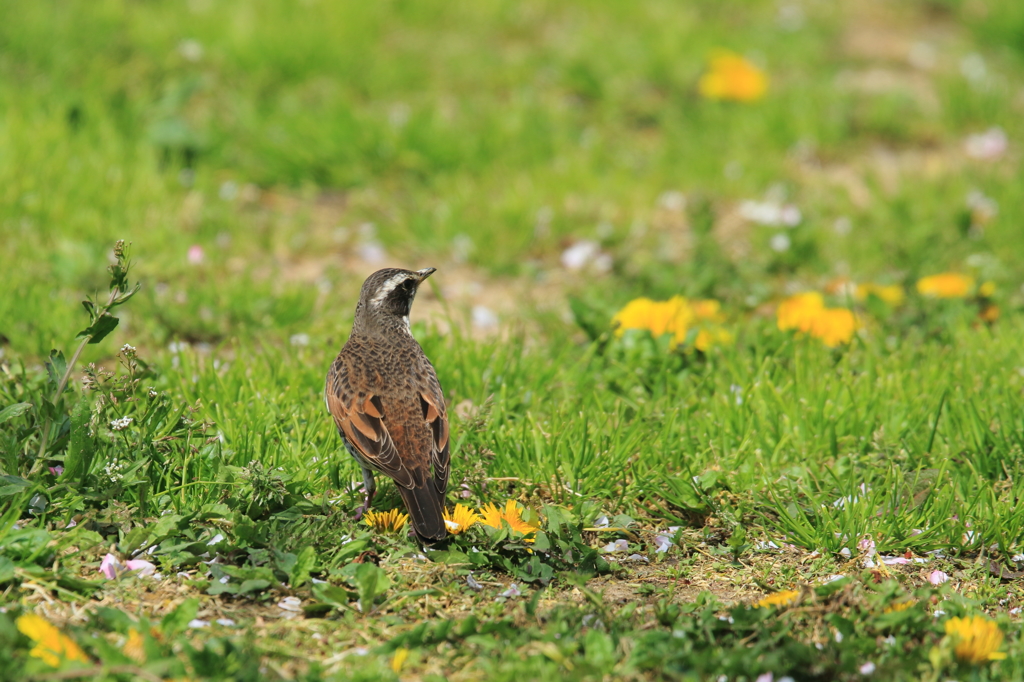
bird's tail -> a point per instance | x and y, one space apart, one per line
425 511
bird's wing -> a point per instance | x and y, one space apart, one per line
432 402
361 419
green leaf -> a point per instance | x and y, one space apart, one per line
370 582
222 588
123 298
12 485
56 366
81 446
99 329
248 586
178 619
15 410
304 563
6 570
331 594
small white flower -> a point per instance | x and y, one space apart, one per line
196 623
191 50
128 350
121 424
484 317
619 545
586 253
867 668
780 242
512 591
770 213
988 145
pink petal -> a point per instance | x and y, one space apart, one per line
110 566
937 577
141 565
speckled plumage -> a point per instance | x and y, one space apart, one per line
387 402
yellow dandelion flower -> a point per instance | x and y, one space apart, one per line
899 606
807 313
460 519
945 285
783 598
731 77
987 290
398 660
892 294
672 317
383 522
52 646
134 648
977 639
707 309
712 336
834 326
799 312
491 515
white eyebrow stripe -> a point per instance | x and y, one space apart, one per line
386 288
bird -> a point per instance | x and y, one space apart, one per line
387 402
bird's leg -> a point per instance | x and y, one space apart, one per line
371 489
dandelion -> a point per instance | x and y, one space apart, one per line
52 646
134 647
672 317
977 639
731 77
460 519
899 606
783 598
834 326
398 660
945 285
493 516
892 294
807 313
675 317
715 336
799 312
707 310
383 522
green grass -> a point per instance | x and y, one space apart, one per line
484 139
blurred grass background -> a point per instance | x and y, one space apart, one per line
296 146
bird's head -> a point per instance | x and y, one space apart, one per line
387 296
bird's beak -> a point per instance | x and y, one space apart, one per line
425 272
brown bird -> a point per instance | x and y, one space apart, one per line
387 402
